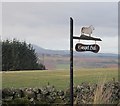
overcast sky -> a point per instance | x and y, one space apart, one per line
47 24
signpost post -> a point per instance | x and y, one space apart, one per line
71 62
80 48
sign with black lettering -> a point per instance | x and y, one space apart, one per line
83 47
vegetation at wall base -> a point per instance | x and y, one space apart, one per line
18 55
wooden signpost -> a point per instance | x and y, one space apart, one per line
80 48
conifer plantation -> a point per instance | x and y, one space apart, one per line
18 55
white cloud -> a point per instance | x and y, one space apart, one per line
47 24
112 42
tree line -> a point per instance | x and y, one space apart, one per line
18 55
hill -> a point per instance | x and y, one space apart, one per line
41 50
59 59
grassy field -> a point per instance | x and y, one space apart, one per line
58 78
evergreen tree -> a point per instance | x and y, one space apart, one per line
18 55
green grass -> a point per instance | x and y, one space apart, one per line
58 78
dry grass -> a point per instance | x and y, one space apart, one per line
102 96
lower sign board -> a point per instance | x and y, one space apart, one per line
83 47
